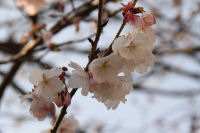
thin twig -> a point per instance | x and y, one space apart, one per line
9 77
93 53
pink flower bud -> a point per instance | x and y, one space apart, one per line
67 99
52 109
147 19
64 68
62 76
59 101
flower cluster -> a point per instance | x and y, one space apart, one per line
32 7
108 78
49 88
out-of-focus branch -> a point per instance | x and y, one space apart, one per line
15 86
177 51
10 47
167 92
168 67
8 78
64 43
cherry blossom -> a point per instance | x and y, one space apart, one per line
147 34
39 107
106 68
48 83
111 94
32 7
136 50
142 67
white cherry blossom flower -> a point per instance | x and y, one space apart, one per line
106 69
146 34
47 83
142 67
79 78
39 107
111 94
134 48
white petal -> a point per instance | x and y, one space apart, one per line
75 66
120 42
106 68
36 77
49 73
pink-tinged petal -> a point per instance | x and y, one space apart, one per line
147 19
38 108
127 7
52 109
54 72
67 99
75 66
134 19
36 77
59 101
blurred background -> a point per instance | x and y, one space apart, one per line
164 100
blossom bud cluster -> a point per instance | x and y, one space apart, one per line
131 12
